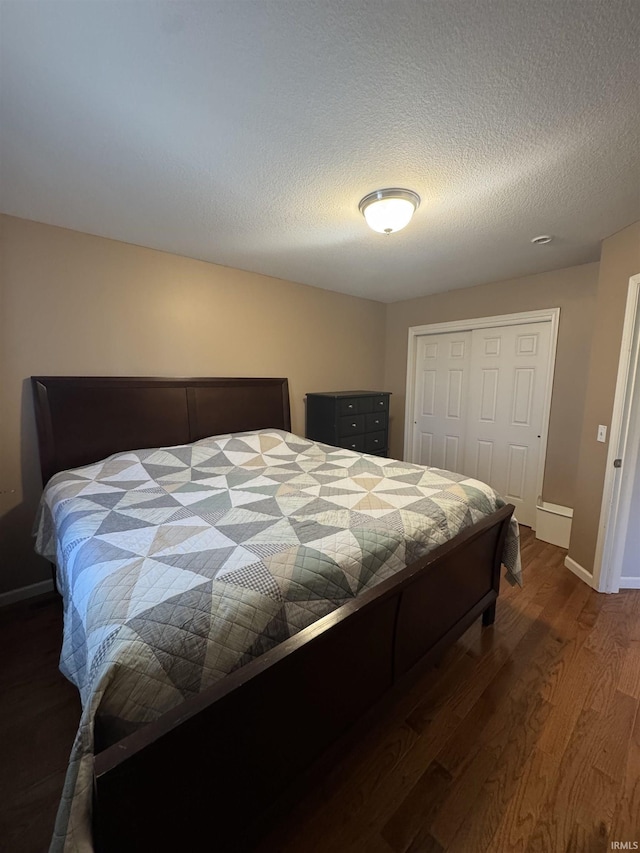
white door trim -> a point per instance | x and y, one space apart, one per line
616 495
546 315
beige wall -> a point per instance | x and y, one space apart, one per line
619 260
71 303
573 290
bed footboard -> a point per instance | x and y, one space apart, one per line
211 766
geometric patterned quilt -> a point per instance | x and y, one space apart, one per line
178 565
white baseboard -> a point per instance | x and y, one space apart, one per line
629 583
581 572
25 592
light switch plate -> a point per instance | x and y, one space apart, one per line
602 432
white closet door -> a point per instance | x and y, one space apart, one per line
508 374
441 393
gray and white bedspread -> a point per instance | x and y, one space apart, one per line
181 564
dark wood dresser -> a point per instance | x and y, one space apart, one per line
358 420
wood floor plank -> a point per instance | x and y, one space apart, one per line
569 699
424 842
39 713
583 840
540 769
499 768
521 815
633 607
618 719
626 820
584 798
556 822
629 681
418 807
377 844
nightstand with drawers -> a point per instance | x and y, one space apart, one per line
357 420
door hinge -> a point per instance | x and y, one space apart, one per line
617 463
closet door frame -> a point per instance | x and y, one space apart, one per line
546 315
624 441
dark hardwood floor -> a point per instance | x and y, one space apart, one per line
39 713
525 738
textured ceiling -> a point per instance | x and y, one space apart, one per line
245 132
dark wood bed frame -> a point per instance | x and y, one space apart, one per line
212 767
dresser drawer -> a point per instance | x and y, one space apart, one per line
349 406
375 441
365 405
375 421
351 425
354 442
380 403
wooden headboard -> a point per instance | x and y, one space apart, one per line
82 419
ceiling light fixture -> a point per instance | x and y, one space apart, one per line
389 210
542 240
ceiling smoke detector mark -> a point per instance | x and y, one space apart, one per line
542 240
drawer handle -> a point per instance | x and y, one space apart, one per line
376 422
353 445
376 441
381 402
354 425
350 406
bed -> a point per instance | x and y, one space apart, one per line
170 500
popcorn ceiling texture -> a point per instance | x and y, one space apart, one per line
246 133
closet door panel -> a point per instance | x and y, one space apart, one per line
441 394
507 384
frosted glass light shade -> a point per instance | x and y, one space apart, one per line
387 211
